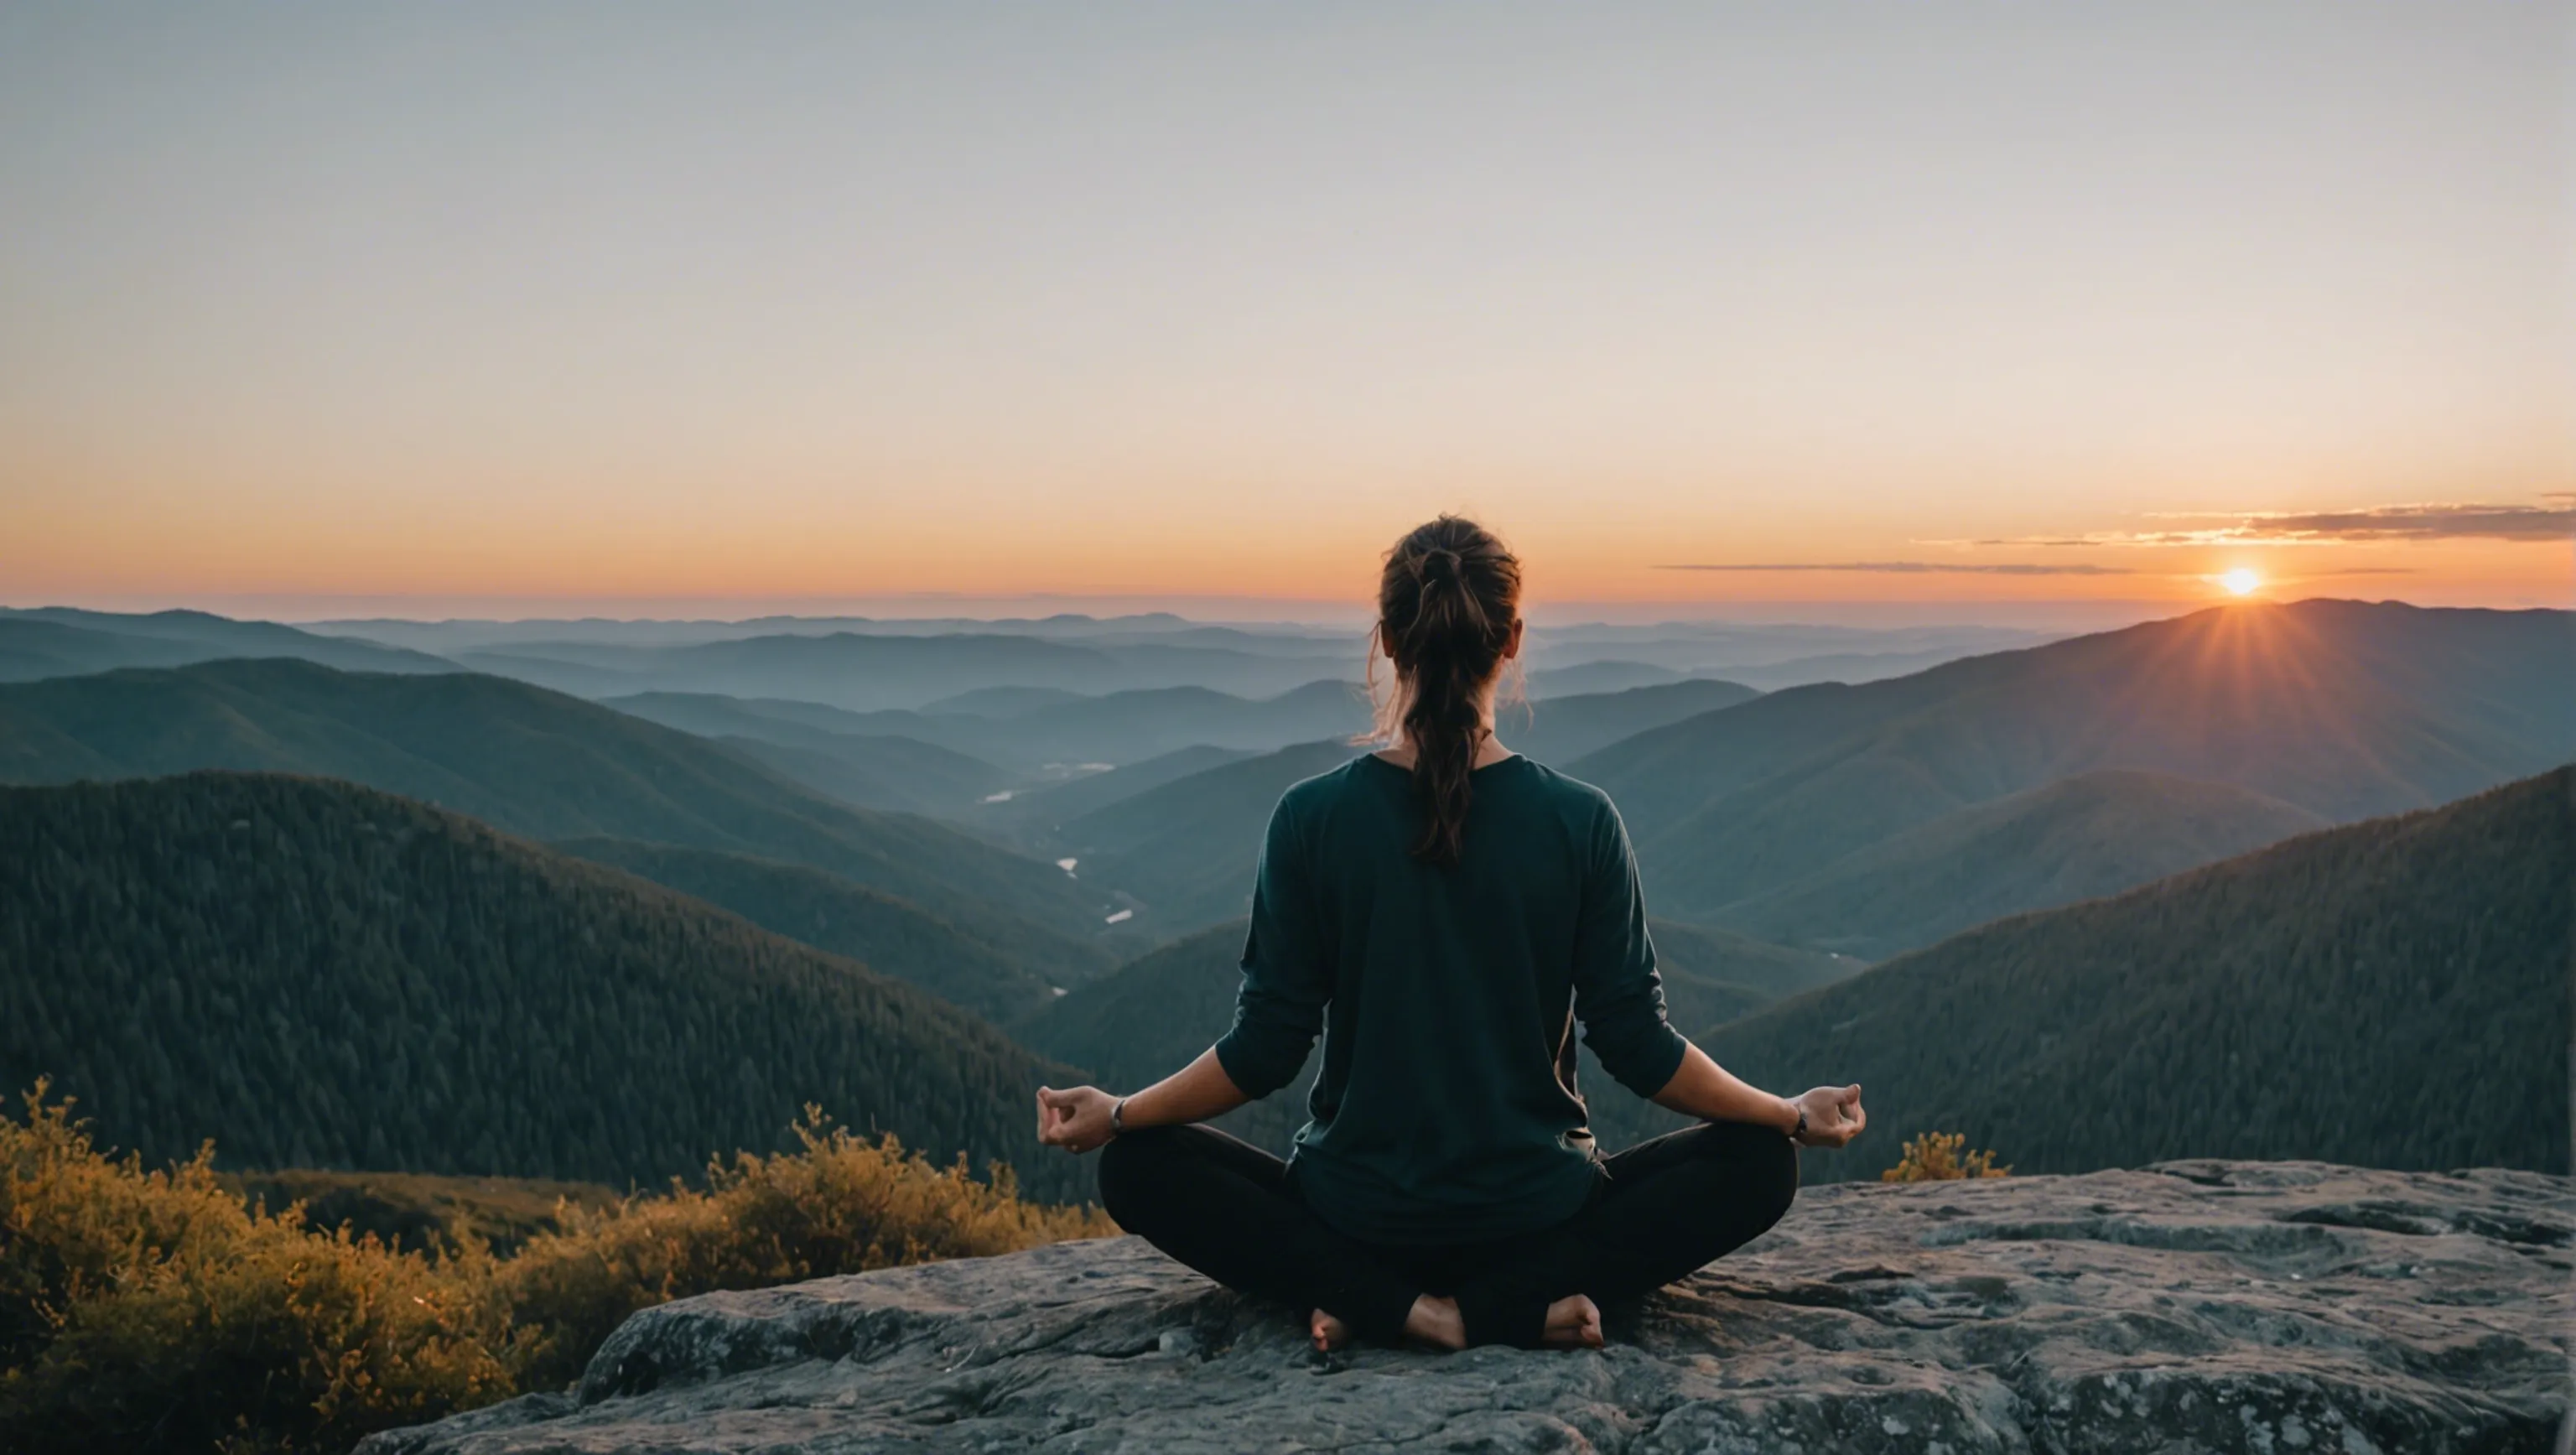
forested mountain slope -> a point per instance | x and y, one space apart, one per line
1724 956
1130 727
2077 838
532 762
2341 708
1039 811
2393 993
316 974
903 775
888 935
1186 850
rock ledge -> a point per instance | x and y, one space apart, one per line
2278 1308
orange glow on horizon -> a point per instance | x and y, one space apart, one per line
70 555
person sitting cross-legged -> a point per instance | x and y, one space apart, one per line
1446 913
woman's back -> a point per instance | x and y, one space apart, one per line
1444 914
1447 993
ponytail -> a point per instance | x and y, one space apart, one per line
1447 603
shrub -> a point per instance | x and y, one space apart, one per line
1936 1157
155 1310
842 1204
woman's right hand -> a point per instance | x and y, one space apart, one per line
1834 1116
1076 1120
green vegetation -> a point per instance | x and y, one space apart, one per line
902 774
2393 993
1938 1157
1042 809
1186 850
831 913
153 1311
319 974
870 769
419 1210
2077 838
531 762
1692 957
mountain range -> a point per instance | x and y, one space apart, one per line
543 765
871 671
2343 709
2074 838
61 641
1036 734
2161 858
889 935
2393 993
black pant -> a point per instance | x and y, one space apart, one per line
1664 1209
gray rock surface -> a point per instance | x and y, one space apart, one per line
2277 1308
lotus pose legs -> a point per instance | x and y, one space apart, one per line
1657 1212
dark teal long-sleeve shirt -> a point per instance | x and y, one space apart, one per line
1447 998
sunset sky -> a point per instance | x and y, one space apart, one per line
664 309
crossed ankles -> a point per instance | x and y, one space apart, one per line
1573 1322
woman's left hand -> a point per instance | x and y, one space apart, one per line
1834 1116
1076 1120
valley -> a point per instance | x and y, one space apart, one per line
405 894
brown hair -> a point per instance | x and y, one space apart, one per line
1446 606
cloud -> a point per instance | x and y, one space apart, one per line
2555 520
1905 568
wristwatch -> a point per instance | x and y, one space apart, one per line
1798 1135
1118 1118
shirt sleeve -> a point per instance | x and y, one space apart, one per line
1618 995
1287 969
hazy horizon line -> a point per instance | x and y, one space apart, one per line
303 610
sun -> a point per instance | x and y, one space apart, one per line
2241 581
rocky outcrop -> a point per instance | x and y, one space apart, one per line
2277 1308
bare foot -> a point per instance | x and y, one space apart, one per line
1330 1333
1435 1321
1573 1323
